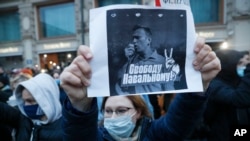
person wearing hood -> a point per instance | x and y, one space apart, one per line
38 117
229 101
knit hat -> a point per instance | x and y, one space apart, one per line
27 71
22 75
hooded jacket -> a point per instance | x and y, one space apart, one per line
45 91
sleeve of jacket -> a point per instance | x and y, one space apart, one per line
4 95
9 115
234 96
78 125
184 113
14 118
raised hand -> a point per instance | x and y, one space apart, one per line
76 78
206 61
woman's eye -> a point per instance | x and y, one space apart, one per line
108 111
121 111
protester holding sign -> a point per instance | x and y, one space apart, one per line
126 117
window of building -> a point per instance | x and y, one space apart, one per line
100 3
57 20
9 26
207 11
53 60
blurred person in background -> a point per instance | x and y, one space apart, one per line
229 101
20 76
5 89
56 75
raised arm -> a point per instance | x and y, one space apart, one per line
76 77
79 112
187 109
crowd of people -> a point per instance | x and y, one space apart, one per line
44 106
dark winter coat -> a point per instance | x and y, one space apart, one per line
181 118
25 128
229 94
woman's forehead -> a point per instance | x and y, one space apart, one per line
118 101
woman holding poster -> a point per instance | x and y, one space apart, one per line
126 117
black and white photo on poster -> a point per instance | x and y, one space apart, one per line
142 49
146 50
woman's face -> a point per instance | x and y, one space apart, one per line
116 106
244 61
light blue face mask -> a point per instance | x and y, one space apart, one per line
240 71
121 126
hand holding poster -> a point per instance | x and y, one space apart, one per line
142 50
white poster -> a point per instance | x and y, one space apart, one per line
142 50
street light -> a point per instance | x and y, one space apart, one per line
224 45
69 56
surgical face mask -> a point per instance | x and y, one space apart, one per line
33 111
240 71
122 126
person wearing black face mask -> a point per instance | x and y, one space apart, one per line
31 108
38 116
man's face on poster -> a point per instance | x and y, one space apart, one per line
141 40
